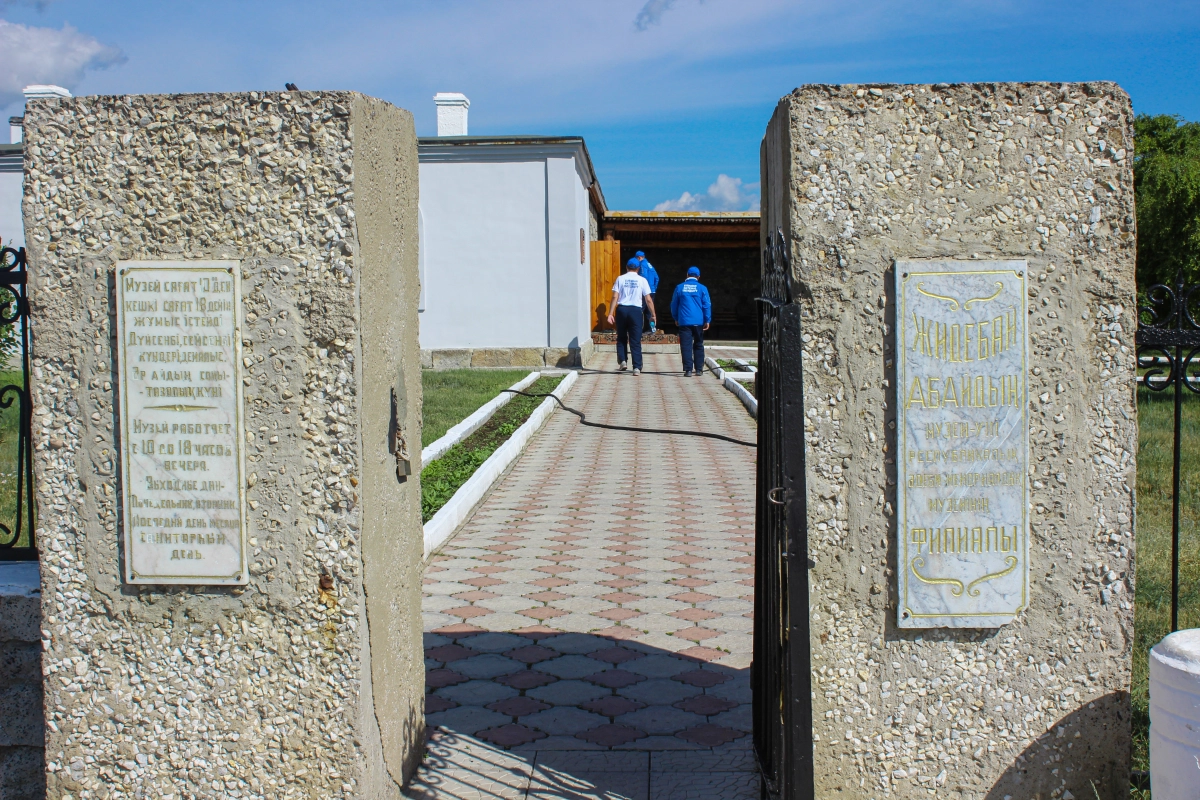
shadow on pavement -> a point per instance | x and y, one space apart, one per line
537 714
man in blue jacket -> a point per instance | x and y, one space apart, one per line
692 309
647 271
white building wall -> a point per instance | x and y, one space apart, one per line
484 254
563 244
12 226
583 291
500 247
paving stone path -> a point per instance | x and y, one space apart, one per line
588 632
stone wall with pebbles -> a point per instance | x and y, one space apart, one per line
269 691
855 177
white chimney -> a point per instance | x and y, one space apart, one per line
40 90
451 113
16 129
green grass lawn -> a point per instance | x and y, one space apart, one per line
441 478
1152 601
453 395
729 365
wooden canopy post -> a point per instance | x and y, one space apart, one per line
606 268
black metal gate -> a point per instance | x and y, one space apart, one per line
16 452
780 672
1168 340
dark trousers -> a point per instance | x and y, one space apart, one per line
629 334
691 347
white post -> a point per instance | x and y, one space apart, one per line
451 113
1175 717
16 127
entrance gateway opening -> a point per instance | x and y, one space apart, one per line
586 630
724 245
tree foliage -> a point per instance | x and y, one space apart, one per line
1166 174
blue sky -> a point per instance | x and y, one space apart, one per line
672 95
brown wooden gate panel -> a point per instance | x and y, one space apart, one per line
606 268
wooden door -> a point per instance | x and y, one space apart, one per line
606 268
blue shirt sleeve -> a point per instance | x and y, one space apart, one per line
675 304
706 302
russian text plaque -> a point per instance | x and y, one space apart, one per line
179 354
963 443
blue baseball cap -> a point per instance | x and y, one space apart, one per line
693 272
633 262
640 254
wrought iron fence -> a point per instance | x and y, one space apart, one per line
1168 340
781 668
17 540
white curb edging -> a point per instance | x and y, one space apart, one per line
730 380
445 522
721 374
745 365
743 394
472 423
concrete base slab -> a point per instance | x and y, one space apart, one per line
506 357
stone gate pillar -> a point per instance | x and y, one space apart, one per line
230 542
965 259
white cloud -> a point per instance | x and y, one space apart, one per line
48 55
725 194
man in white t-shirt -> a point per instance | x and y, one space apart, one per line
625 311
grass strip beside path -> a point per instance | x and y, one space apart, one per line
749 386
452 395
729 365
440 479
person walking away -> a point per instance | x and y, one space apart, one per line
691 308
630 293
647 271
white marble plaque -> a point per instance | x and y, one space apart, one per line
963 443
179 353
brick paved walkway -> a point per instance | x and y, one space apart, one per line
588 632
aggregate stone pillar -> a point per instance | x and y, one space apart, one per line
1033 181
301 675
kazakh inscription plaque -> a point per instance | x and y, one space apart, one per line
963 441
181 422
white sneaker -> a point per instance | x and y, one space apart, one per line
621 367
637 372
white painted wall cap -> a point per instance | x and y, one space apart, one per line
451 99
45 90
1180 650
